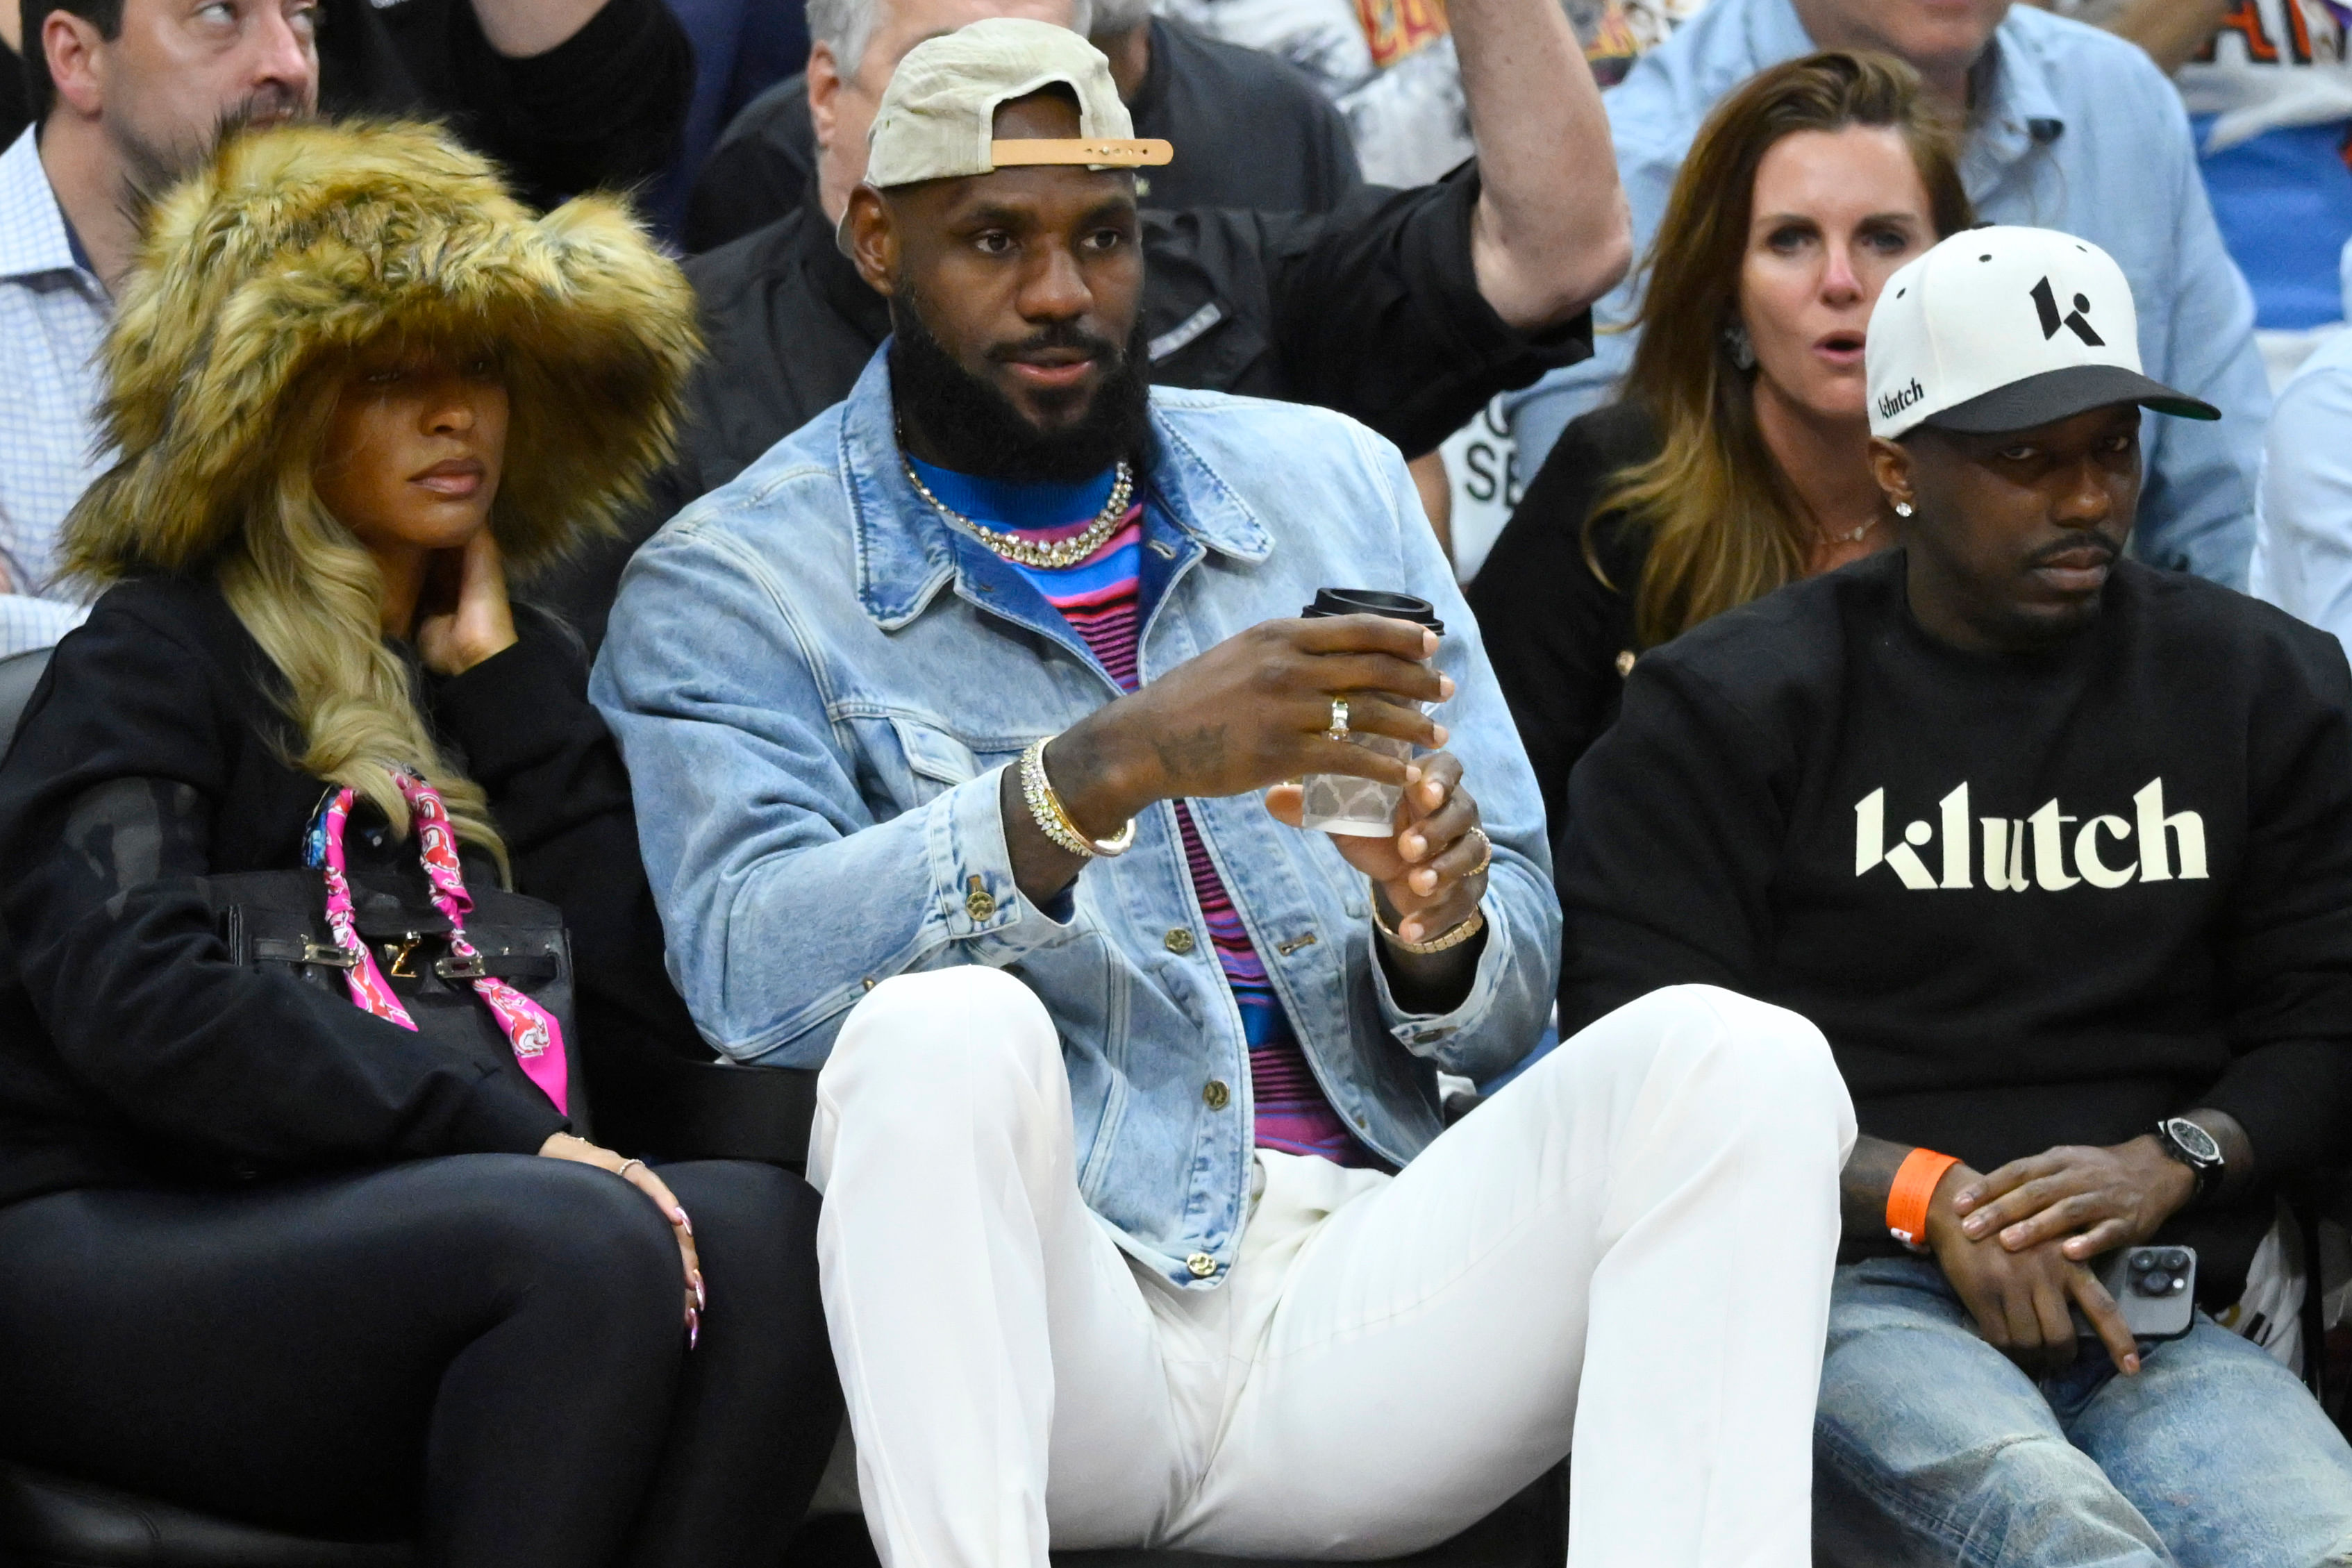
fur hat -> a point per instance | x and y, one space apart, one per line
305 241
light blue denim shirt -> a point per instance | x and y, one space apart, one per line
2074 128
816 682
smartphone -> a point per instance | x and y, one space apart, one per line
2155 1286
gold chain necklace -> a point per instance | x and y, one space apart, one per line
1054 557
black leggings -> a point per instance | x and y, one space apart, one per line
485 1351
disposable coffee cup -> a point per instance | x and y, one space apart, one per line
1341 803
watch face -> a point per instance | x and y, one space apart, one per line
2194 1141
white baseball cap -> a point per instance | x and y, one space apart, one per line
938 117
2004 329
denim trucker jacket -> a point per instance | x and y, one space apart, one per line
817 680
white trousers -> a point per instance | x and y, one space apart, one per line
1628 1249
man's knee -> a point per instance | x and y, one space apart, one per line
1751 1054
966 1043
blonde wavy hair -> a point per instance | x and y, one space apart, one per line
259 280
1725 526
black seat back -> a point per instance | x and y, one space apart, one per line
19 673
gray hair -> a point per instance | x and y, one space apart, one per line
846 27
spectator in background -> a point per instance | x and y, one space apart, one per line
2056 849
1265 138
2269 94
568 94
1739 457
1106 1244
2067 127
282 1238
1407 310
741 49
2302 554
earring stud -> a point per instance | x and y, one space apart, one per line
1903 509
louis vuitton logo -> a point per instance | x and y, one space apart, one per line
2078 320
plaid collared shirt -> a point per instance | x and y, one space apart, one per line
53 316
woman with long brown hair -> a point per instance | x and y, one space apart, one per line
1737 457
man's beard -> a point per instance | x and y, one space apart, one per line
976 429
152 166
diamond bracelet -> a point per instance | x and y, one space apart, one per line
1053 821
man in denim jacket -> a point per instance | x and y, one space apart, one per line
1140 1226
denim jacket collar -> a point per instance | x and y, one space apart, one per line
907 552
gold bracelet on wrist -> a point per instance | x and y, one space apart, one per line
1047 810
1438 943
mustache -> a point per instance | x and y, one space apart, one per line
1059 335
2106 548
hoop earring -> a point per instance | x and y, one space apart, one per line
1903 509
1740 347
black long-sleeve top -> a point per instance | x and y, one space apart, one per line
601 109
2030 900
134 1050
1560 634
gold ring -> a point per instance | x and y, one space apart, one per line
1339 730
624 1172
1487 857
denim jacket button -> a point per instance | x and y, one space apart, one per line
1201 1265
979 903
1178 940
1217 1095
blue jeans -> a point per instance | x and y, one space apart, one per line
1932 1447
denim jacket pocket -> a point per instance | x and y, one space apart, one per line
936 760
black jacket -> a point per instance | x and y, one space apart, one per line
603 109
1373 309
1250 130
1561 636
2031 899
131 1050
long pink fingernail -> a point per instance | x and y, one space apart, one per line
701 1297
684 1223
693 1330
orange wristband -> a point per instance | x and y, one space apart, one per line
1906 1200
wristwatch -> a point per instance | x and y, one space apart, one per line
2195 1148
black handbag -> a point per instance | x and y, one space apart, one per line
276 921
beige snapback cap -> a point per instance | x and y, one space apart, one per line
938 117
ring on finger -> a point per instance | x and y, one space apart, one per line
1486 853
1339 730
623 1171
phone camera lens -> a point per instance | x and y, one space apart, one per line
2156 1284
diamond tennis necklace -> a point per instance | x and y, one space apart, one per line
1022 551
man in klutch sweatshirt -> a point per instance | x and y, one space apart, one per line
2056 849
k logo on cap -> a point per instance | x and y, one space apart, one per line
2046 303
1993 330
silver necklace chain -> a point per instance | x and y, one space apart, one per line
1054 557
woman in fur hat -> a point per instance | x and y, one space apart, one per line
266 1249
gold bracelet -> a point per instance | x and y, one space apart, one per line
1053 821
1438 943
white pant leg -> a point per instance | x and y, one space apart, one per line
988 1331
1636 1236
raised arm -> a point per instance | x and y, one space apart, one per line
1552 234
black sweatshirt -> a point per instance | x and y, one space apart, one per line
603 109
2030 900
131 1050
1560 635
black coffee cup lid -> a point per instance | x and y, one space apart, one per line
1374 602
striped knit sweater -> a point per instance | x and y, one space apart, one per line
1101 599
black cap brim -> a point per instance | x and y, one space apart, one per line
2056 394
